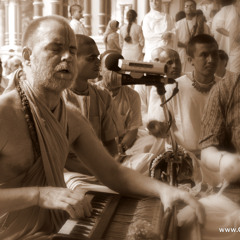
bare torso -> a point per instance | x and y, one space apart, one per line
16 154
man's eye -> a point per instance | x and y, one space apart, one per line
91 59
170 62
73 51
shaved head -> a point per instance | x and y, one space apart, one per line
31 34
82 41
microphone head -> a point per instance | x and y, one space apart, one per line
111 61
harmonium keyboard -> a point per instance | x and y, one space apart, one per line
118 218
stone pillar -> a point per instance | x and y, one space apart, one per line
14 22
56 7
135 5
102 16
122 8
2 24
65 8
37 9
146 6
6 35
87 15
109 12
166 6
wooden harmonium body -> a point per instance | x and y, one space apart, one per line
118 218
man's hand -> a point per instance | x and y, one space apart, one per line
74 202
229 167
170 195
167 36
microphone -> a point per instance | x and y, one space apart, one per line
115 62
113 80
111 61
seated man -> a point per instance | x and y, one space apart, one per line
173 70
222 71
94 102
147 146
220 130
127 103
34 199
186 108
220 145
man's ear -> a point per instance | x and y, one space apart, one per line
190 60
26 53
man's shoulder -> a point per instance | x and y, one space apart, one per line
229 83
10 108
181 22
131 93
100 91
184 78
9 100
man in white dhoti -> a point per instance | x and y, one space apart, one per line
186 29
226 31
158 29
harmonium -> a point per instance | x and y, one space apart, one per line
115 217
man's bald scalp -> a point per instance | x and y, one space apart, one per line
29 36
162 53
83 40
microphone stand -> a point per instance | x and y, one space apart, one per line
172 173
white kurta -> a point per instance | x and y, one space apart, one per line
155 24
186 109
78 27
223 19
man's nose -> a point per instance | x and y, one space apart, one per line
211 58
67 56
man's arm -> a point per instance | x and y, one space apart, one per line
226 163
128 139
121 179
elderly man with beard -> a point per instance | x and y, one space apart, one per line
38 129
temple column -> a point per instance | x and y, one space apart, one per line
87 15
14 22
6 35
102 15
65 8
37 9
56 8
2 24
122 9
146 6
135 5
166 5
109 12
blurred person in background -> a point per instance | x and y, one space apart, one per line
187 28
76 23
111 36
131 38
3 80
158 29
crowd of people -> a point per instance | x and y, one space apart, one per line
65 117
